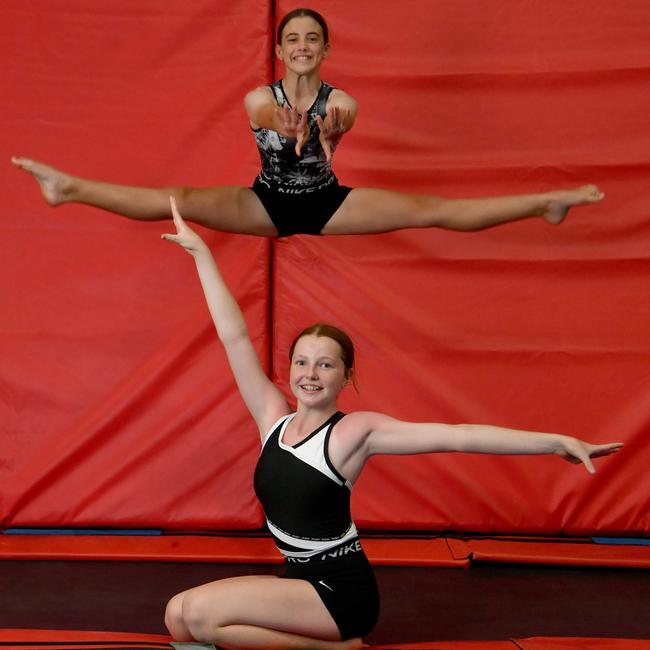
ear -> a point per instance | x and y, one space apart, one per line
278 52
326 50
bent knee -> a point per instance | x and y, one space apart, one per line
174 619
200 617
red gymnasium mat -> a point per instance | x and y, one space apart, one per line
440 552
22 639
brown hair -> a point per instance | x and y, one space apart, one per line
298 13
336 334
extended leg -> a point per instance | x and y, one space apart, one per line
229 209
374 211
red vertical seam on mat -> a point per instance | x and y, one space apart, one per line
273 10
273 7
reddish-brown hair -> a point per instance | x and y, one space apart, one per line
299 13
336 334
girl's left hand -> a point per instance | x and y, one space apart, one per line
577 451
332 128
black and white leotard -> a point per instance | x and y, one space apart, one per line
307 506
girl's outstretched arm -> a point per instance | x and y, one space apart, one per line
369 433
391 436
263 399
263 112
341 114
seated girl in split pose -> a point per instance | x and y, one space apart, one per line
327 597
298 122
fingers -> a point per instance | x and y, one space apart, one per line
327 150
294 125
182 230
597 451
333 114
606 449
287 119
290 119
302 133
22 163
176 215
588 464
337 119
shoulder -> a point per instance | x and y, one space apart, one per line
259 104
276 409
360 424
352 441
340 98
273 422
258 96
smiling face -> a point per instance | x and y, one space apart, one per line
303 47
317 371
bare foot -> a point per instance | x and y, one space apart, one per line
561 201
55 185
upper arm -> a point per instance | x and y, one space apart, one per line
391 436
260 107
365 433
262 397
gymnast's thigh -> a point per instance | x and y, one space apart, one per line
370 210
227 209
288 605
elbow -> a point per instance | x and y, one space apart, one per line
231 336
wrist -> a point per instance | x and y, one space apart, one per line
558 443
201 251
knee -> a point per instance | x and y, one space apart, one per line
174 619
200 618
429 211
179 193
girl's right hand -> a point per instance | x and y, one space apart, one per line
184 236
293 125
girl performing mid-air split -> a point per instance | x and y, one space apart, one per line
327 596
298 122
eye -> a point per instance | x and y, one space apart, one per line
326 364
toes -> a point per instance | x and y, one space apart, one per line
592 192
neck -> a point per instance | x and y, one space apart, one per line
308 419
301 90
